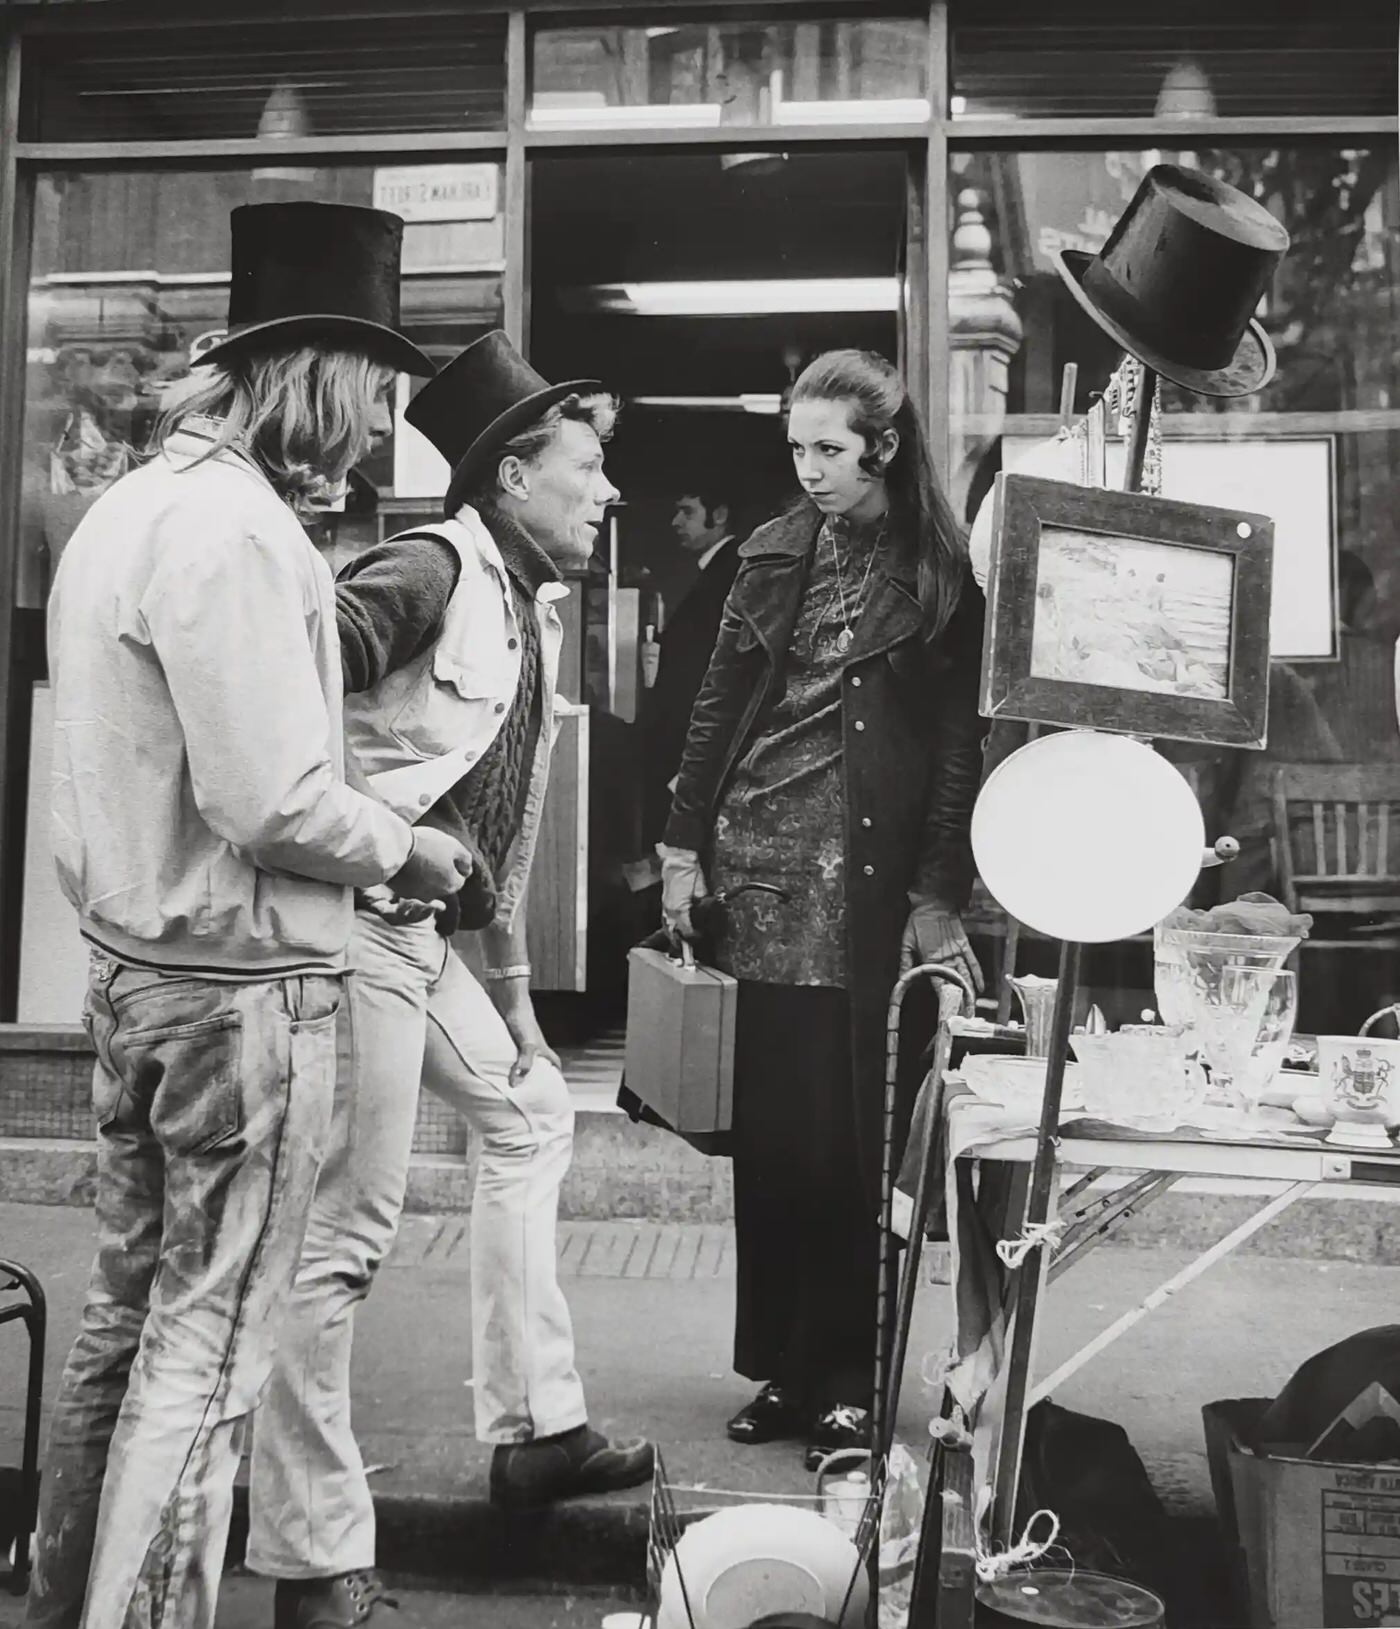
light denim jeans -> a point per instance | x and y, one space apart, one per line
413 1011
213 1102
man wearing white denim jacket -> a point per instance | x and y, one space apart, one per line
451 643
205 832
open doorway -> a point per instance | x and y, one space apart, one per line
696 287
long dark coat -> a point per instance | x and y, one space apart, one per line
912 740
687 644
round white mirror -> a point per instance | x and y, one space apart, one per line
1087 837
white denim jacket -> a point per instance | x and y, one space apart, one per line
200 815
420 730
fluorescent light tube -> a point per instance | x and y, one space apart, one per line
875 110
756 297
655 115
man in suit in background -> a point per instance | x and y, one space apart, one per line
702 524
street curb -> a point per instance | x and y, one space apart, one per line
1359 1224
464 1542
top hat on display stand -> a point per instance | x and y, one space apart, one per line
1178 281
315 273
480 401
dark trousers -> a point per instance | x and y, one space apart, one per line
806 1234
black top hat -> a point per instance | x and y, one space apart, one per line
478 402
327 272
1179 277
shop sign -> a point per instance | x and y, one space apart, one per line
439 192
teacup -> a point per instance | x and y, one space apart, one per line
1359 1078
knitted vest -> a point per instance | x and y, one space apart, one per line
489 796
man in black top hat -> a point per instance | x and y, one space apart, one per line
450 641
206 834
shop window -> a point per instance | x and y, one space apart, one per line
226 81
1103 59
1318 450
700 76
130 275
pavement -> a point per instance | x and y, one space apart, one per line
652 1305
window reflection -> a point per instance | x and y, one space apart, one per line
1317 450
129 279
1079 58
708 76
292 78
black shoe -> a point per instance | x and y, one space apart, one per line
771 1417
841 1426
531 1475
345 1602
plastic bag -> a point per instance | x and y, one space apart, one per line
901 1518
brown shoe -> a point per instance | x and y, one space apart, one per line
531 1475
344 1602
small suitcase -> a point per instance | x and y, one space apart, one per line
680 1039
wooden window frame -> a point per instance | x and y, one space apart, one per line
928 145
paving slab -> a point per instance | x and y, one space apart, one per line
653 1321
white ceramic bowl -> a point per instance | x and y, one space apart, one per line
749 1561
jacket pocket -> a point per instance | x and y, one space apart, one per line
455 704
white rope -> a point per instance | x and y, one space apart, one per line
1013 1252
990 1566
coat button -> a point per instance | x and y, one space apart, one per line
512 644
855 680
860 723
500 706
866 822
424 799
869 870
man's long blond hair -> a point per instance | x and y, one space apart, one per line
303 416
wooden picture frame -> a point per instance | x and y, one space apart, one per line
1115 611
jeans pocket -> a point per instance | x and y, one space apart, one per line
313 1000
185 1080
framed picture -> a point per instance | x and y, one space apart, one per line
1114 611
1291 477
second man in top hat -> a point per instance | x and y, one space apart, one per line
450 642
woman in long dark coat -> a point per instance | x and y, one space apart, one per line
834 752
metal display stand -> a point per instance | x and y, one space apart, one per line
1031 1280
32 1312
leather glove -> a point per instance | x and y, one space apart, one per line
682 882
935 934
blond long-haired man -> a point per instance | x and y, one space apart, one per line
205 832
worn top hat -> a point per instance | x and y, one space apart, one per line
1178 280
478 402
316 272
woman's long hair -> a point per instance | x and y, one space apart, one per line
304 416
876 401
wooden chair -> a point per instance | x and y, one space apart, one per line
1334 851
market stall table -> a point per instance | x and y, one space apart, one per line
985 1150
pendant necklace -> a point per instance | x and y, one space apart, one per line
844 638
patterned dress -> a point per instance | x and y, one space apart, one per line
783 818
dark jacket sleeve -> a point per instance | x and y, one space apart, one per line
945 869
715 720
686 649
390 603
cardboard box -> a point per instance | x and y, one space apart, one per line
1317 1544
